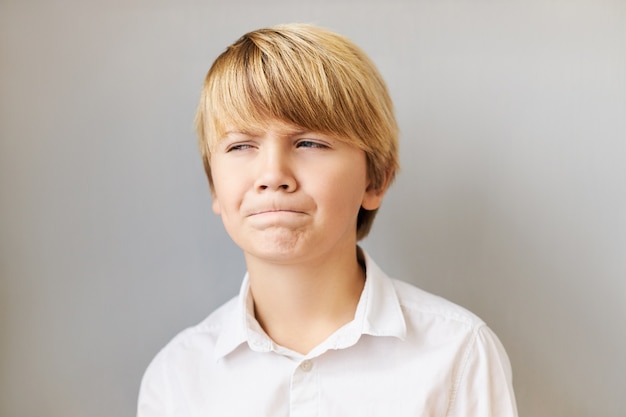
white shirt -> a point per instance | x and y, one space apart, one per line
406 353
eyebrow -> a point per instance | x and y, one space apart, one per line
239 132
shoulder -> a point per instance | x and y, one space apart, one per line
179 360
442 322
201 337
416 302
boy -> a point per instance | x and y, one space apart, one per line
299 142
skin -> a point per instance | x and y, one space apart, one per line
289 199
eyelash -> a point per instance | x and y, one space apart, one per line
301 144
311 144
239 147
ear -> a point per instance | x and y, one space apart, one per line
373 197
217 209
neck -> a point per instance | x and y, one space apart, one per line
299 306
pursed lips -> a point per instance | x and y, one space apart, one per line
274 210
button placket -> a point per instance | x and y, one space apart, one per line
304 395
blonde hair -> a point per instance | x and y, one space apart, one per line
306 76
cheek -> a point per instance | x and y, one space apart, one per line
345 192
227 183
223 196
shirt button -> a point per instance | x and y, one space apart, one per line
259 344
306 365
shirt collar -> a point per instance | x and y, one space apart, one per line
378 313
379 306
240 326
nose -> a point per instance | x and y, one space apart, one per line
275 171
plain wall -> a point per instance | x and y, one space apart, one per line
511 200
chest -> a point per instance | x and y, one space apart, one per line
365 382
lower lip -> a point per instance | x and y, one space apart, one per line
278 215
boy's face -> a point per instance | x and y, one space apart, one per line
289 196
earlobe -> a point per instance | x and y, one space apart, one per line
216 206
372 198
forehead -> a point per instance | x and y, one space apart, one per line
274 127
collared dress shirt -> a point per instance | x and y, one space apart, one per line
406 353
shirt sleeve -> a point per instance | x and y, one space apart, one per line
484 385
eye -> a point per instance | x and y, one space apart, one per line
306 143
238 147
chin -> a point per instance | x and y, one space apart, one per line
278 246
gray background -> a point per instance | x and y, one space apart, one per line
511 201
